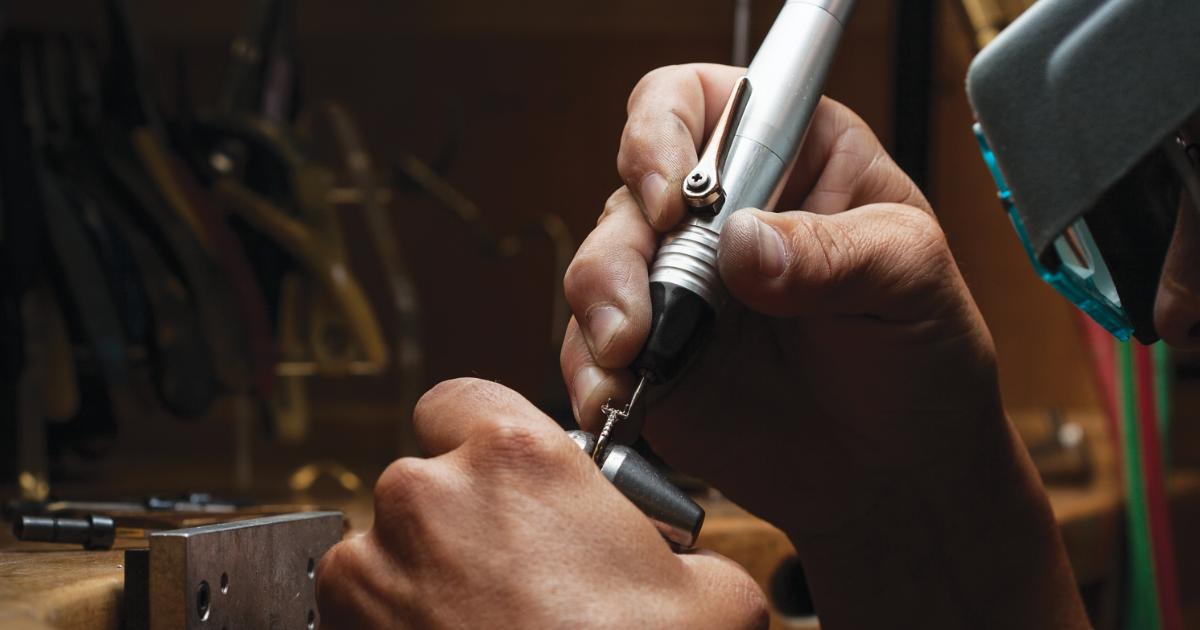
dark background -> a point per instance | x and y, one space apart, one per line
536 92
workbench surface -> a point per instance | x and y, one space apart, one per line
53 586
50 586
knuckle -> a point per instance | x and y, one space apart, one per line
401 484
615 203
574 351
410 501
575 283
512 445
592 273
428 404
650 81
920 226
336 585
637 147
756 610
662 125
486 394
581 274
579 282
335 566
920 234
450 397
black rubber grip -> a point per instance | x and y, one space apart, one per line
680 320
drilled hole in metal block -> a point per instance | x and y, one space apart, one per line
224 583
203 600
312 620
312 568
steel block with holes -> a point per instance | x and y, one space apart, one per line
257 573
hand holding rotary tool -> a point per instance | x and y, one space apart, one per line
851 378
749 155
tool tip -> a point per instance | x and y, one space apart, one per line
637 392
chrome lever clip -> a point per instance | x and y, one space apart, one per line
702 188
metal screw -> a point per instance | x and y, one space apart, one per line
697 181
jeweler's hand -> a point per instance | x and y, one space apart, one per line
852 349
849 392
510 525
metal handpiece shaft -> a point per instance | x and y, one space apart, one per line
787 77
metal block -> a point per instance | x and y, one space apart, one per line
136 610
256 574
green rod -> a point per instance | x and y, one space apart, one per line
1142 612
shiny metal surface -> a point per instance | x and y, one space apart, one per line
843 10
788 75
688 257
614 414
602 440
702 187
612 463
258 573
675 515
670 510
584 440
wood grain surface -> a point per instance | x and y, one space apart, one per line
44 586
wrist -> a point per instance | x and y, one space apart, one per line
969 534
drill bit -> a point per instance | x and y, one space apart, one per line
612 414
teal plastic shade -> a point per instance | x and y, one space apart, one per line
1082 277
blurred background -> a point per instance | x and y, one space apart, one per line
518 106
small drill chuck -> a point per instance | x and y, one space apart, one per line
680 322
676 516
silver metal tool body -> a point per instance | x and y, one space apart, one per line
675 515
787 77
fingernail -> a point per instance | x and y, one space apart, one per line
654 189
772 260
586 380
603 323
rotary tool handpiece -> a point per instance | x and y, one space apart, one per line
745 165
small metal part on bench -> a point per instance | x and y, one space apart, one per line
258 573
675 515
93 532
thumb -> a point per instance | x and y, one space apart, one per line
889 261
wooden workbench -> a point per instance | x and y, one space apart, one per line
49 586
